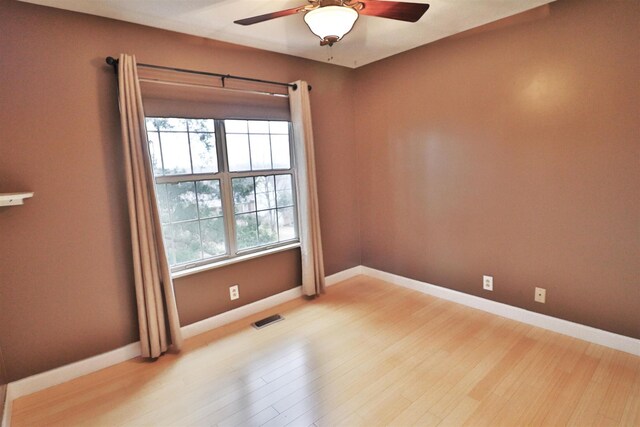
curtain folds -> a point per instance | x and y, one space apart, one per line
157 310
310 239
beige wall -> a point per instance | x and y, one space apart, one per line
513 153
66 289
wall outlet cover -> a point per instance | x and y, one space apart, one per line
540 295
234 292
487 283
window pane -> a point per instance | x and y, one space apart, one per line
201 125
163 204
162 123
186 241
154 151
212 237
260 152
203 152
150 124
172 124
175 153
265 193
279 127
209 200
286 224
284 192
243 195
238 153
182 199
280 151
246 231
283 182
235 126
267 227
258 126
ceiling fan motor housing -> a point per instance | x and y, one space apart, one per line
329 40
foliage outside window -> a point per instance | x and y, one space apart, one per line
224 187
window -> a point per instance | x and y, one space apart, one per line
224 187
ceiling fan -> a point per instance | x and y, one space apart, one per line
332 19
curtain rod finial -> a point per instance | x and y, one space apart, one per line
295 86
113 62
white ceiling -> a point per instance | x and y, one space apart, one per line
371 39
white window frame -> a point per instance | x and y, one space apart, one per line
225 176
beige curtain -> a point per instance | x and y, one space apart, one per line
157 311
311 242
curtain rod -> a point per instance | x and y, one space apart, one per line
114 63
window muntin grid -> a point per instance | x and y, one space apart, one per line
194 186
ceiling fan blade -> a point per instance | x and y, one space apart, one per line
402 11
268 16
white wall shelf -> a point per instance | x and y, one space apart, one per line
14 199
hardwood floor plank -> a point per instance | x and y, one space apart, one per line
561 409
502 368
461 412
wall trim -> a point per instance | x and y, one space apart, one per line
565 327
343 275
41 381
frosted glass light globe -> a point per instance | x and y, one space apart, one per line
330 21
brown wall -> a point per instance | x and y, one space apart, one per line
513 153
66 289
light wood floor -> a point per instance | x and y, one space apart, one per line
367 353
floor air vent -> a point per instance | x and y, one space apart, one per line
267 321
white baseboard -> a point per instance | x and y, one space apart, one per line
565 327
74 370
343 275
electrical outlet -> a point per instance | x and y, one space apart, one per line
234 292
487 283
541 295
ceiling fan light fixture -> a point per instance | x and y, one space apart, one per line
331 23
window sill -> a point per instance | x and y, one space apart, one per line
229 261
